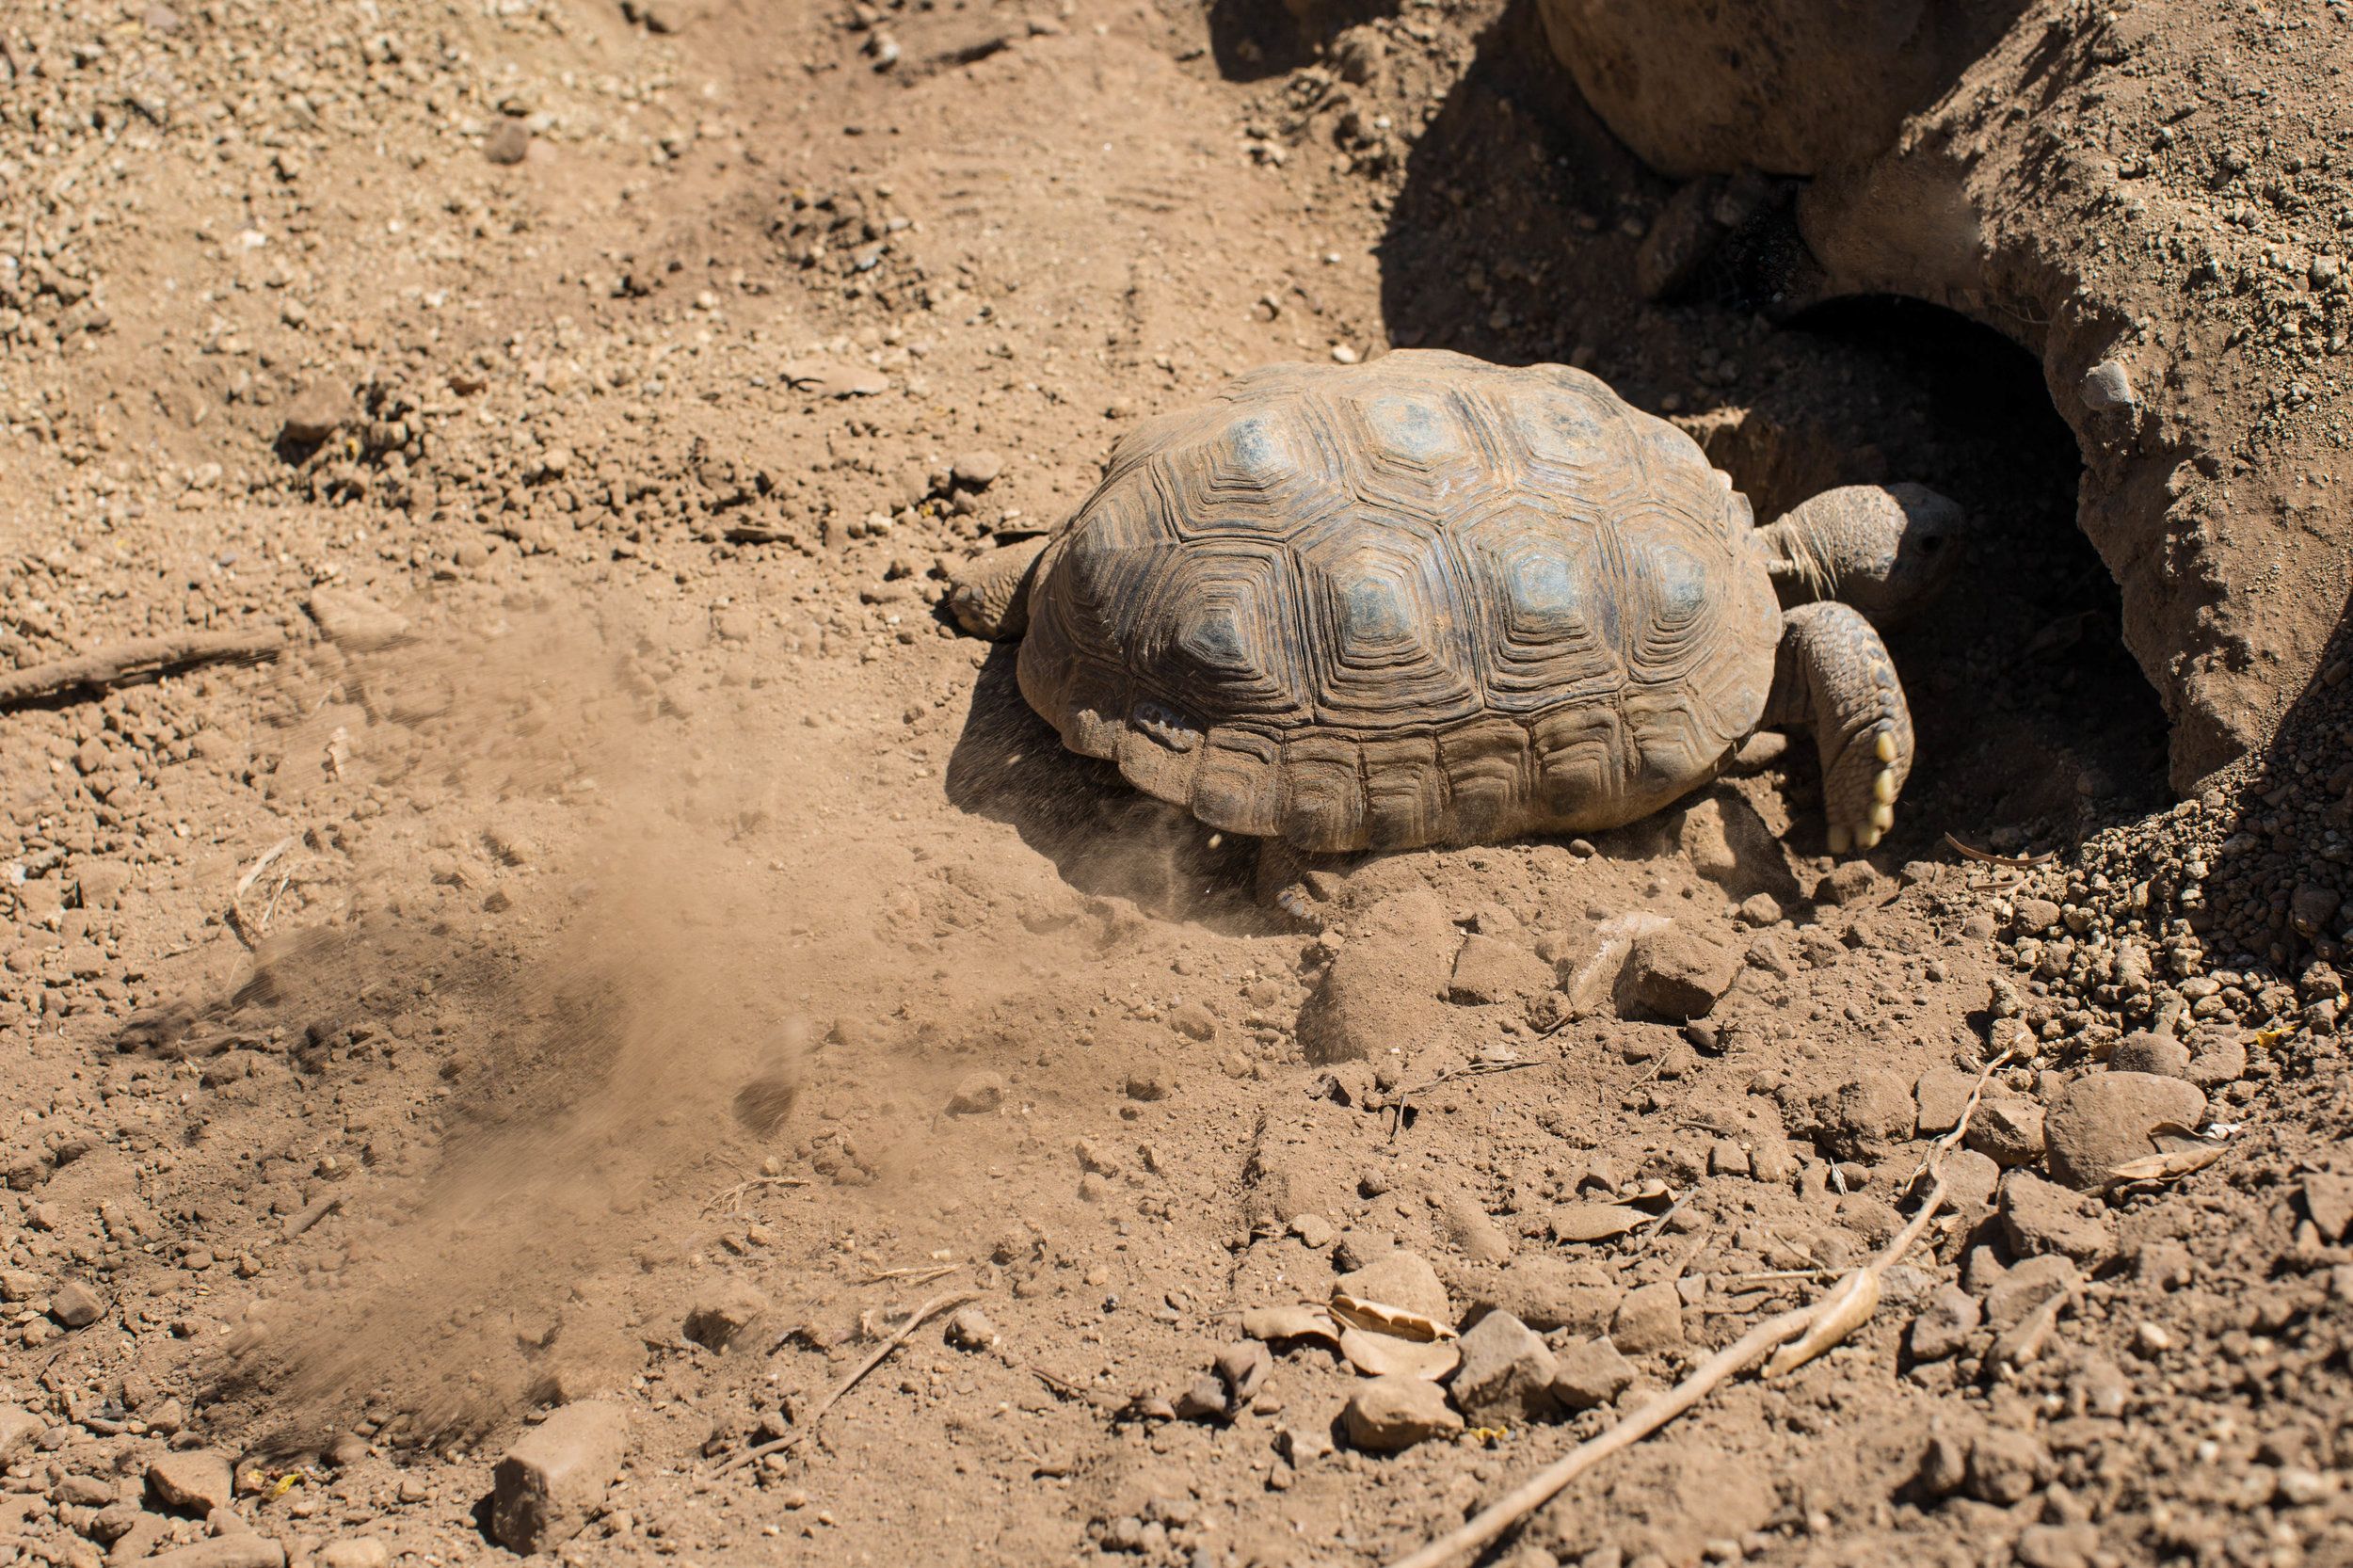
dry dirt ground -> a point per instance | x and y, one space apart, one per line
627 950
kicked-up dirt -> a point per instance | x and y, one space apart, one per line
486 1069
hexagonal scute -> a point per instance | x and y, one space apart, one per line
1263 471
1549 627
1390 620
1670 611
1219 630
1568 443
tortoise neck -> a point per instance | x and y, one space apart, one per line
1799 574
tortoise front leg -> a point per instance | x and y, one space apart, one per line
1834 677
991 596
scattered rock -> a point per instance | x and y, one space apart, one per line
366 1551
1865 1115
976 471
1150 1084
317 411
2027 1286
2006 1468
1402 1279
2327 1203
1850 882
968 1329
1970 1179
1649 1319
1388 1415
508 143
2217 1056
1313 1230
1194 1021
1548 1293
1944 1326
1506 1375
1469 1227
195 1480
1941 1095
355 622
75 1304
19 1427
718 1320
2037 916
2103 1119
1492 969
1674 975
2145 1052
556 1475
2010 1132
977 1095
1589 1373
238 1549
2107 385
2039 1217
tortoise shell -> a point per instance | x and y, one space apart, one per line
1427 599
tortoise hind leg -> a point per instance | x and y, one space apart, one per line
991 596
1834 677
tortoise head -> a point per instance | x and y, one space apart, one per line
1886 550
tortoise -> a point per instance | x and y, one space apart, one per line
1430 600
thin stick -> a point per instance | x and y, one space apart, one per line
913 1276
937 1304
733 1195
1480 1069
2022 862
1834 1314
135 659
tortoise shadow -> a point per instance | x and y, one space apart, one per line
1105 838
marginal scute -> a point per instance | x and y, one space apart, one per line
1487 771
1405 790
1323 805
1239 787
1426 599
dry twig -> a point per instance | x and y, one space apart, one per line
2021 862
733 1196
913 1276
1479 1069
923 1313
136 660
1815 1328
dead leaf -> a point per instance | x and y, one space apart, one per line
1380 1354
1376 1317
1296 1321
1593 1221
2172 1165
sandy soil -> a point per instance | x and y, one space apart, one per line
627 949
